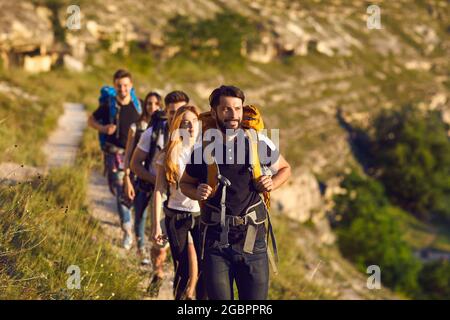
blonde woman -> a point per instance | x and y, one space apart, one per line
181 212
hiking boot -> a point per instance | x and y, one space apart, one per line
154 286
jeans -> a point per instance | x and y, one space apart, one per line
115 181
223 266
141 202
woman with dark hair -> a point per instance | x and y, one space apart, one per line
152 103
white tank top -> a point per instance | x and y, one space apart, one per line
177 200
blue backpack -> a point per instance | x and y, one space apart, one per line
108 97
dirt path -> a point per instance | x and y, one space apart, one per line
103 208
62 145
61 150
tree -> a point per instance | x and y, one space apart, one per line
434 280
217 40
412 151
369 233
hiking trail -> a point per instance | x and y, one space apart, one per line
62 144
103 208
61 150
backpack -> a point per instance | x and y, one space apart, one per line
108 97
252 120
252 123
158 123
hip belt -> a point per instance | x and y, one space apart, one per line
174 216
253 217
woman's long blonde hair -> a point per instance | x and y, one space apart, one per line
171 159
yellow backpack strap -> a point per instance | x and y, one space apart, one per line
254 161
257 172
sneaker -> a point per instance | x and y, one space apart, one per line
154 286
143 254
127 241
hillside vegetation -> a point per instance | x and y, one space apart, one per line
332 86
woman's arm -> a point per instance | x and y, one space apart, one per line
160 188
128 186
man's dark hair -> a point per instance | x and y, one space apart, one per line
176 96
225 91
120 74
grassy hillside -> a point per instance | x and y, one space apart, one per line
319 270
56 230
47 226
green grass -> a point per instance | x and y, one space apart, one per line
305 268
419 234
291 281
46 227
25 124
422 235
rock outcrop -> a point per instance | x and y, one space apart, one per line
26 35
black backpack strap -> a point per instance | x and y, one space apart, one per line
139 131
112 104
152 148
159 128
224 225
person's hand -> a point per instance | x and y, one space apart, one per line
157 236
264 184
203 191
128 187
109 129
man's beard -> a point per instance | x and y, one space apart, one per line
223 128
122 96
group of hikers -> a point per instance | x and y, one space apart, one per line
205 178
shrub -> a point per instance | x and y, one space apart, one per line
412 152
369 234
